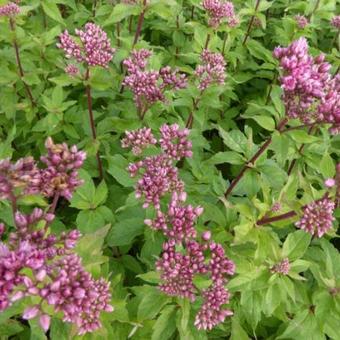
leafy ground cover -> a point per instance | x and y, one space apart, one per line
169 169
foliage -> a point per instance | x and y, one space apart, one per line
255 169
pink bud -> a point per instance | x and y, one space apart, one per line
329 182
30 312
44 322
206 235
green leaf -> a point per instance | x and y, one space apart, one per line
296 245
10 327
230 157
151 304
120 12
118 169
235 139
123 232
258 51
266 122
59 330
52 10
327 167
301 136
237 332
165 325
101 194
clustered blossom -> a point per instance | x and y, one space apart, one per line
22 175
211 71
9 10
219 10
317 217
301 21
95 48
148 86
184 255
72 70
336 21
58 277
61 174
282 267
138 140
311 93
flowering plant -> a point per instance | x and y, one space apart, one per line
169 169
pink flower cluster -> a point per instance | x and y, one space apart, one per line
149 86
282 267
9 10
61 175
310 92
22 175
184 255
211 71
301 21
317 217
95 48
218 10
58 277
72 70
138 140
336 21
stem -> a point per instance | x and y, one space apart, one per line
267 220
54 203
292 164
118 34
92 124
315 8
192 12
207 41
224 43
13 200
140 24
190 120
251 23
21 70
252 161
130 24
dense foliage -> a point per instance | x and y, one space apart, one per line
169 169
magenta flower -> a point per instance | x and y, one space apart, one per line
9 10
317 217
138 140
211 71
335 22
310 92
282 267
301 21
212 312
95 48
219 10
72 70
149 86
61 175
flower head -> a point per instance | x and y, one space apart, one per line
211 71
282 267
95 48
317 217
148 86
138 140
301 21
219 10
61 174
335 22
9 10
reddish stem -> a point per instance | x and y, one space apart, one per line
20 68
267 220
251 23
292 164
118 34
252 160
207 41
92 123
139 24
